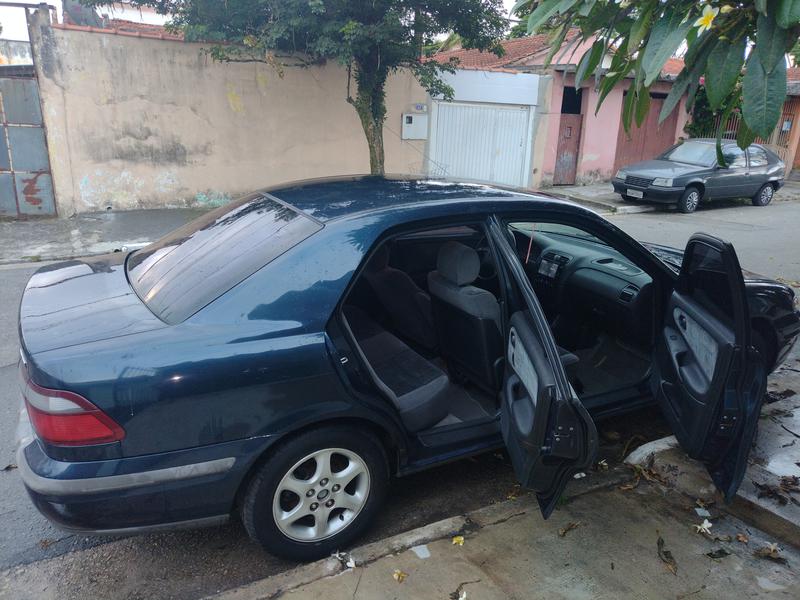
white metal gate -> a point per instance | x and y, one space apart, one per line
481 142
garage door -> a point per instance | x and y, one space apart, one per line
481 142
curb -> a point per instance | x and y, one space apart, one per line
690 478
281 583
600 206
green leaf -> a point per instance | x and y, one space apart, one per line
788 13
589 61
639 27
761 6
627 109
770 42
679 86
762 96
545 10
607 84
642 106
724 65
723 123
666 37
519 4
555 44
745 136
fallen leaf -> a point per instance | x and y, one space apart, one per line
601 466
461 593
458 540
10 467
46 543
740 537
718 553
766 490
666 556
399 576
771 552
569 527
631 485
704 527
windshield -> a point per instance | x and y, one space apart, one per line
693 153
195 264
558 229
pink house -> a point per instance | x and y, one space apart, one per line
571 142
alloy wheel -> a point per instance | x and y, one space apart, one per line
692 200
766 194
321 495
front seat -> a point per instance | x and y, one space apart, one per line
467 318
408 306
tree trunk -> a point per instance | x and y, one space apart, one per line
371 108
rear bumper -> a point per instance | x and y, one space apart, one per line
662 195
194 487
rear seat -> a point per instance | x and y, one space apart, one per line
416 386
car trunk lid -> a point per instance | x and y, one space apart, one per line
80 301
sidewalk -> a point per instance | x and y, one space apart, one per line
599 545
37 240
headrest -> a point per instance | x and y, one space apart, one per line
379 260
457 263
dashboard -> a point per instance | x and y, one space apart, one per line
588 282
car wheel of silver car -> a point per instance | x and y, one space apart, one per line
764 195
316 493
689 200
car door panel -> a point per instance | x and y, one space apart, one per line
707 378
548 432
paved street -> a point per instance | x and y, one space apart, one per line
191 563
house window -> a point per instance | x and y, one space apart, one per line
571 101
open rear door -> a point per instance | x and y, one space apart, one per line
549 434
709 380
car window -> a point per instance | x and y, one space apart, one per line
558 229
195 264
709 281
693 153
758 157
734 157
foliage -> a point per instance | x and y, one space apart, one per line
703 121
372 38
640 37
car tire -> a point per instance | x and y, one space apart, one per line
689 200
764 195
302 464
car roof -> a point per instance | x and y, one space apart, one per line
331 198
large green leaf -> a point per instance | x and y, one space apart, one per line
788 13
723 68
762 96
761 6
628 103
640 25
745 136
679 86
545 10
770 41
589 62
642 106
666 37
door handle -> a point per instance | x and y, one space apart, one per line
682 322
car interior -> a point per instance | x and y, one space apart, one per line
427 313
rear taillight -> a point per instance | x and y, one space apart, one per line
67 419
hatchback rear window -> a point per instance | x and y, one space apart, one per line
195 264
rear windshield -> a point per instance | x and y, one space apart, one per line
195 264
693 153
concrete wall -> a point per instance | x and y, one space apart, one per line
138 123
598 145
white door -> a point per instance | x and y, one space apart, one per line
481 142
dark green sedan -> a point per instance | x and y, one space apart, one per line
689 173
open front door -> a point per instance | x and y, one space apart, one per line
708 378
549 434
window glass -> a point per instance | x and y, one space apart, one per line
734 157
709 281
758 157
182 272
556 228
703 154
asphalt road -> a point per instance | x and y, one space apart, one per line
191 563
